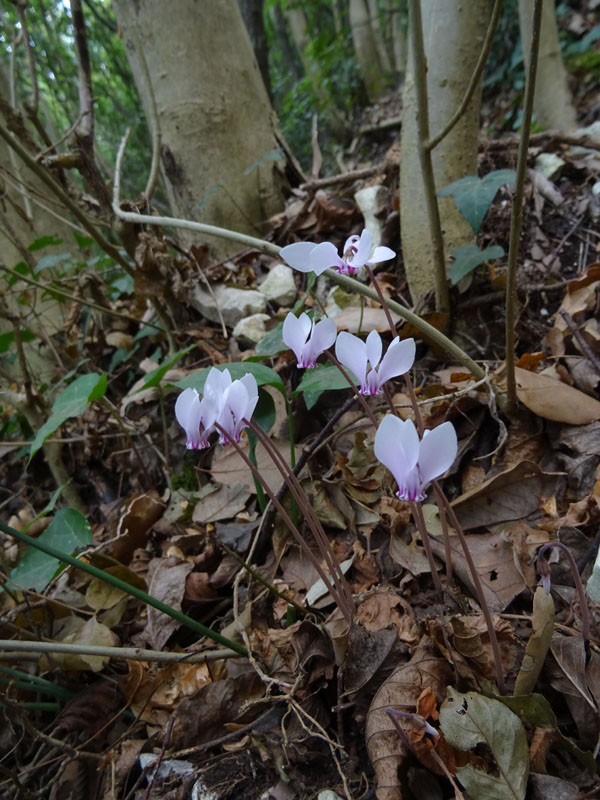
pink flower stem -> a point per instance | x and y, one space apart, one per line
478 588
359 396
311 518
417 513
286 519
585 612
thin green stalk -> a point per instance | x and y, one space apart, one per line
190 623
260 492
415 25
516 218
36 683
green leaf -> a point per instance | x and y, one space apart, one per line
44 241
51 260
470 719
6 339
469 257
83 241
321 379
264 413
272 343
473 196
71 402
69 531
265 376
155 377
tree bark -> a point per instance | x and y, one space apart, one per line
366 49
219 137
552 103
252 13
453 33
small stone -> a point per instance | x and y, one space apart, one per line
279 285
234 304
548 164
250 330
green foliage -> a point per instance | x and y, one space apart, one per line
155 377
265 376
321 379
473 196
69 531
71 402
469 257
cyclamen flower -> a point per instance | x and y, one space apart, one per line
225 401
196 417
364 358
358 251
414 462
307 339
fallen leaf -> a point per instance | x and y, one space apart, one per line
168 585
471 719
552 399
225 503
228 467
538 644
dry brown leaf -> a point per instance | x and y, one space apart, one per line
167 584
552 399
401 690
384 609
228 467
225 503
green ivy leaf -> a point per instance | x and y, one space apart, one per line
264 413
321 379
470 719
44 241
71 402
155 377
272 343
69 531
473 196
469 257
265 376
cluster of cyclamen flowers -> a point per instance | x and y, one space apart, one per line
412 461
225 403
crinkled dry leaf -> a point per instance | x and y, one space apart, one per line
228 467
167 584
224 503
384 609
386 748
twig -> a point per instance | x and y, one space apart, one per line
475 77
25 649
344 177
589 353
442 295
516 219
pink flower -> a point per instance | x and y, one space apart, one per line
307 339
364 358
196 417
414 463
358 251
225 401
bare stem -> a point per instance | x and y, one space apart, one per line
585 612
516 219
478 589
417 512
415 24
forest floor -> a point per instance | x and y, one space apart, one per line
299 718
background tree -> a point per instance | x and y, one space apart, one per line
220 154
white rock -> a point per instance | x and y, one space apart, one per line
250 330
279 285
548 164
234 304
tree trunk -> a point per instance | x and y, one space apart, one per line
552 104
453 33
217 125
365 47
252 13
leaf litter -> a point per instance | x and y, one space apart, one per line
321 704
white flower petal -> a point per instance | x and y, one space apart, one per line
298 255
397 447
352 353
323 336
374 348
381 254
324 256
365 246
188 414
398 359
437 452
294 333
